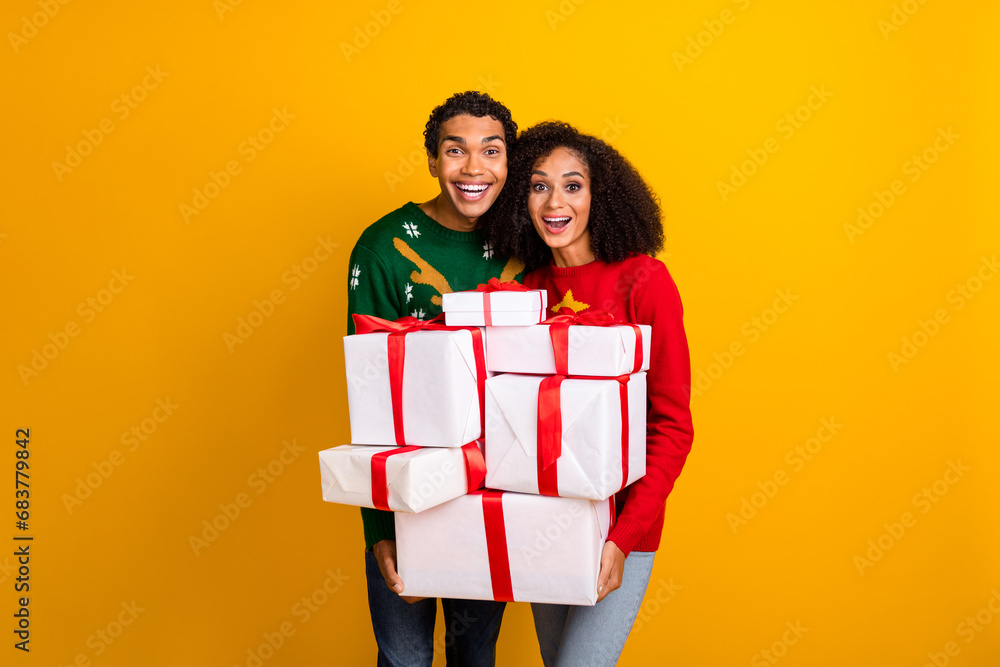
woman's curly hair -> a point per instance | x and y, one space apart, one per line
625 216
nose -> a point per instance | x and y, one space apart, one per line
474 164
556 199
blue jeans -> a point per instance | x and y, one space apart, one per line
578 636
405 632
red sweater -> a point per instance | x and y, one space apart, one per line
639 290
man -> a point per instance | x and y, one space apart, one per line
401 266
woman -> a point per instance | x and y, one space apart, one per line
586 225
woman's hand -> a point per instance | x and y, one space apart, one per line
385 556
612 568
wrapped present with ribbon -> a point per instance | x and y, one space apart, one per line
400 479
414 382
589 344
495 304
495 545
569 437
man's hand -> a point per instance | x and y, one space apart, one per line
612 568
385 556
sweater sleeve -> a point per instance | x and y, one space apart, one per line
370 292
668 424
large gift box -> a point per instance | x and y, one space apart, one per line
401 479
495 304
493 545
569 349
577 438
419 383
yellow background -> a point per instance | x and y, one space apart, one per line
610 68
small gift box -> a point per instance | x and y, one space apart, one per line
494 545
495 304
411 382
401 479
577 438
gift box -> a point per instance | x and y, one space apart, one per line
495 304
582 350
418 384
494 545
577 438
401 479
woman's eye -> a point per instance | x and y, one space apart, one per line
538 187
573 187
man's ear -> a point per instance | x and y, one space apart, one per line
432 165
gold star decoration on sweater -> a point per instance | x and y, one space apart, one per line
569 302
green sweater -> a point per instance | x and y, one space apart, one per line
401 266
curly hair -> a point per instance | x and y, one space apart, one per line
473 103
625 216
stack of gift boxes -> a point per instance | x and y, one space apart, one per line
549 417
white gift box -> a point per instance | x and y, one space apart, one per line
547 550
592 350
440 399
496 309
414 480
591 462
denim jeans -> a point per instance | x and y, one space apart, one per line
405 632
578 636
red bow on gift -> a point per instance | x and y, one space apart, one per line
396 349
494 285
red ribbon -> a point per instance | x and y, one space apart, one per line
475 471
549 434
559 333
496 545
380 487
549 430
396 349
494 285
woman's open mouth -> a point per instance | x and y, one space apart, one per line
556 223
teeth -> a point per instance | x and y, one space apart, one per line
566 219
471 188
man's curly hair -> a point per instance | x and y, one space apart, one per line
473 103
625 216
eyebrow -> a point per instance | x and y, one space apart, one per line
461 140
539 172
